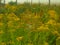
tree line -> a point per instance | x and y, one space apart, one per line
17 1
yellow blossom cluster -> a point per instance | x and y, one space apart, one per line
19 38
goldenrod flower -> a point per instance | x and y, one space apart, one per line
19 38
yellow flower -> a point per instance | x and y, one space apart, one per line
12 17
46 43
30 44
58 38
3 43
58 25
13 7
10 24
36 16
52 13
1 32
1 16
7 6
11 42
19 38
52 22
17 19
56 33
1 24
43 27
18 26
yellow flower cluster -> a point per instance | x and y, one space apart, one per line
52 14
36 16
56 33
10 24
7 6
1 31
29 22
1 23
58 38
11 42
19 38
43 28
46 43
30 44
1 16
12 17
3 43
52 22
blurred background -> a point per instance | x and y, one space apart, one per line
34 1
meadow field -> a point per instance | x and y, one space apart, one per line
26 24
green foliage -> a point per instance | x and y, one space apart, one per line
12 3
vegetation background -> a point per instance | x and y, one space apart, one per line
29 23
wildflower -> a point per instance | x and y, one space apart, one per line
1 32
17 19
56 33
29 26
58 25
3 43
1 24
46 43
10 23
13 7
58 41
36 16
11 16
58 38
18 26
30 43
43 27
19 38
11 42
7 6
52 14
52 22
1 16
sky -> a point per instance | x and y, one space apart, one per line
35 1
